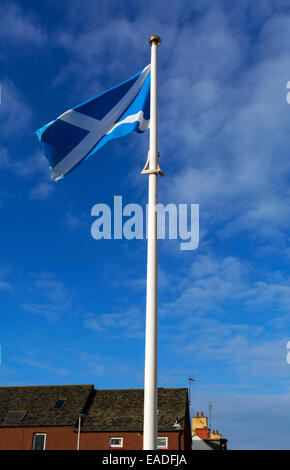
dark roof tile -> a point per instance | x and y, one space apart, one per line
122 410
38 401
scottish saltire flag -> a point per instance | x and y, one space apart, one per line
81 131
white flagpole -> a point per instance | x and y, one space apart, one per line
150 376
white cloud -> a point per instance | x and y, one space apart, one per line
76 221
5 282
128 321
15 122
5 285
17 27
41 365
29 166
4 158
15 114
41 191
212 283
100 365
48 297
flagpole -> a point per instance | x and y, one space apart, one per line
150 375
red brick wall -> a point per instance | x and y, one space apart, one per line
65 438
131 440
62 438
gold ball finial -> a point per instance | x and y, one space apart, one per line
154 39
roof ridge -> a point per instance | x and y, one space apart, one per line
88 385
46 386
124 389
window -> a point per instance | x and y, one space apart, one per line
162 442
116 442
59 404
39 441
15 415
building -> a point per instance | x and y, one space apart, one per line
41 417
203 438
48 417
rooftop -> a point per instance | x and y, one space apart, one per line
116 410
106 410
38 404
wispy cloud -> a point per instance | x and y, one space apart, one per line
6 283
15 122
15 113
31 165
41 365
76 221
129 322
19 27
102 366
48 297
41 191
212 282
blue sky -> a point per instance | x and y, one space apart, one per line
73 308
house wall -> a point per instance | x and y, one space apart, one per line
65 438
131 440
62 438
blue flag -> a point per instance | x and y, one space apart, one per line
81 131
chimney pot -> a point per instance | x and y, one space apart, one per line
197 414
217 431
201 413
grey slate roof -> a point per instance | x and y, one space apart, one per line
122 410
38 401
200 444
